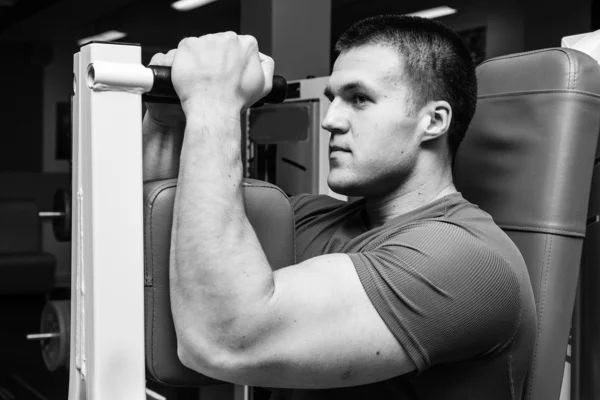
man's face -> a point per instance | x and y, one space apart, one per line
373 146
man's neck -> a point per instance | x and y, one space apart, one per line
406 198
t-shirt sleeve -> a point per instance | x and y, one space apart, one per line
442 291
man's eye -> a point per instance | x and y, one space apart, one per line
359 98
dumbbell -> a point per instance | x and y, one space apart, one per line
60 215
55 327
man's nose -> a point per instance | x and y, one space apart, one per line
335 120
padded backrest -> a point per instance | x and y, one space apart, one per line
527 160
270 214
19 226
24 268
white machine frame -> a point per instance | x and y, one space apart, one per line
107 286
107 282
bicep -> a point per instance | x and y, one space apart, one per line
443 303
324 332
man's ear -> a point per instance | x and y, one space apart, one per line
438 123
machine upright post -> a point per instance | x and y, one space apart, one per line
107 290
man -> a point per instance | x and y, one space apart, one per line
411 292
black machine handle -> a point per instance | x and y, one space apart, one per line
163 91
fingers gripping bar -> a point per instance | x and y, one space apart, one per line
154 82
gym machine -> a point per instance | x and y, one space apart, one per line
287 145
102 344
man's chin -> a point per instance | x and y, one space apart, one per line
344 188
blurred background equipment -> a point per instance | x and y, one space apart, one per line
285 144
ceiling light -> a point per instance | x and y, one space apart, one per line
107 36
186 5
434 12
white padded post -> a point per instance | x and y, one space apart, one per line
107 297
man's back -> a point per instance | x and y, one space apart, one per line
449 284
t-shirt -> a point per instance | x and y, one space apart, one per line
449 284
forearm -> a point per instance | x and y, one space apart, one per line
220 278
161 146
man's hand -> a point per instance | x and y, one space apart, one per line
225 68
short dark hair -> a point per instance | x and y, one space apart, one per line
437 63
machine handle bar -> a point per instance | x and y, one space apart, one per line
163 92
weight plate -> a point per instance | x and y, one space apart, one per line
56 318
62 225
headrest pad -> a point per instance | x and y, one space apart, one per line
555 68
528 154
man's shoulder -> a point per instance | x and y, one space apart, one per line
481 227
436 272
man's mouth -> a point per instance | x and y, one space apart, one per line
336 148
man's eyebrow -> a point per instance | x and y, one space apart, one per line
346 88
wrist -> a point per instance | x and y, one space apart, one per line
210 108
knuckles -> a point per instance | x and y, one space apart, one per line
228 38
249 42
163 59
218 49
184 42
158 59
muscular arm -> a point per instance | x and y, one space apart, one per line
307 326
218 268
